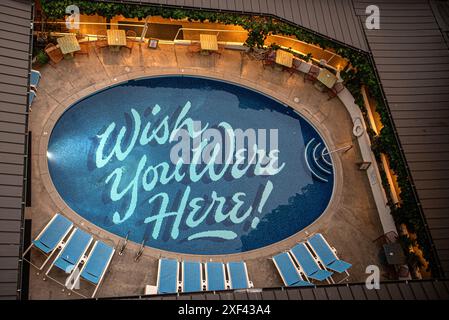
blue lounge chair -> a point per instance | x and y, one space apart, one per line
50 238
308 264
192 276
167 278
35 77
289 273
238 275
31 96
326 254
215 276
95 266
71 253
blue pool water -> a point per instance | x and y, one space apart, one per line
112 160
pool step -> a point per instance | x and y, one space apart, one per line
318 160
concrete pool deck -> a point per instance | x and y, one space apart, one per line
350 223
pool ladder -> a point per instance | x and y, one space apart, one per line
139 253
122 248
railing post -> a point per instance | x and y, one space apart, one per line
144 31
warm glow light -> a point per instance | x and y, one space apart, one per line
49 155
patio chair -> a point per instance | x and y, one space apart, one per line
194 48
313 73
238 275
35 77
304 67
102 39
296 63
54 53
84 48
335 90
326 254
269 58
130 39
308 264
95 267
215 276
289 273
167 277
50 238
192 276
71 253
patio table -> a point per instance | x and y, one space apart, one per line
327 78
208 42
284 58
68 45
394 253
116 39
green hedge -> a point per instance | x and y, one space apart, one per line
258 29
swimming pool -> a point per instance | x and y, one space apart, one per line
190 165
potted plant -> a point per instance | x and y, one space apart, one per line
40 59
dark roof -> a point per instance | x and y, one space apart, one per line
334 19
15 39
397 290
412 59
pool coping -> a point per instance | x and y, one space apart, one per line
113 239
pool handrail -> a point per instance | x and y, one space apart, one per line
167 276
238 275
192 276
215 276
50 237
95 266
289 273
327 254
71 254
309 266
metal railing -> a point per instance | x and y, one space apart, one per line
225 37
333 60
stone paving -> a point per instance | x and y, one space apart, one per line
350 223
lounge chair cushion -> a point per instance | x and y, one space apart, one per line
54 233
64 265
326 255
97 262
168 276
238 275
339 266
322 249
191 277
42 246
302 283
215 276
320 275
288 271
308 263
73 250
34 78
